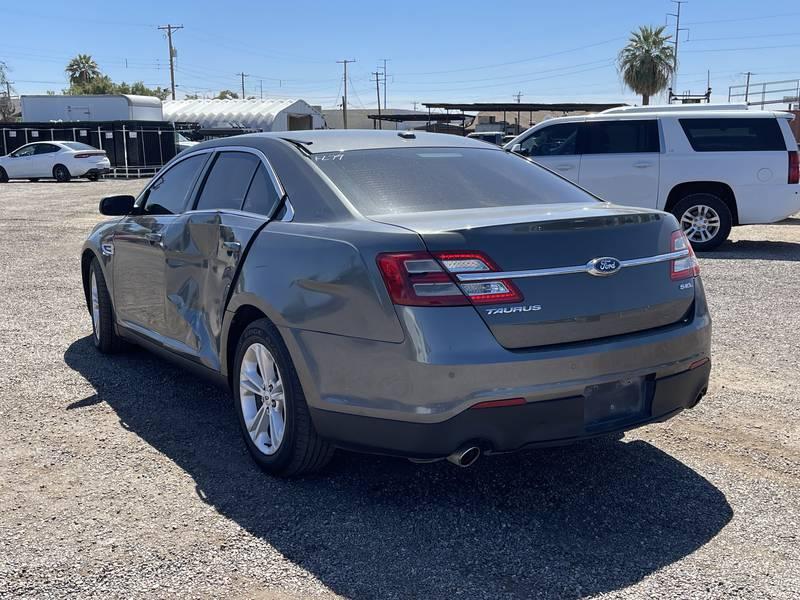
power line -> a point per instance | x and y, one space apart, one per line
169 29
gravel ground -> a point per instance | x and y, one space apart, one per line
125 476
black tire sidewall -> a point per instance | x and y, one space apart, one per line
264 333
61 169
3 175
715 202
106 342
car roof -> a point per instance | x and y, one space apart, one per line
340 140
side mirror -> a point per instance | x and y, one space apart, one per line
116 206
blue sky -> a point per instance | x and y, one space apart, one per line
437 51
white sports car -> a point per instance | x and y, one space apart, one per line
58 160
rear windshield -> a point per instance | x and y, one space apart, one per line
404 180
78 146
734 135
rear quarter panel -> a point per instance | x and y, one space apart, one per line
323 278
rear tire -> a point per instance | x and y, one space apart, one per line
3 175
61 173
105 338
292 446
705 219
92 177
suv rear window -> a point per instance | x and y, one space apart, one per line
405 180
733 135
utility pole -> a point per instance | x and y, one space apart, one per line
378 92
261 88
243 75
518 96
385 60
678 29
345 62
169 29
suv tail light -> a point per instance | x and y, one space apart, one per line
683 268
419 279
794 167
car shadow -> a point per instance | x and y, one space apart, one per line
564 522
754 250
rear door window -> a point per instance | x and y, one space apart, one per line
46 148
554 140
167 196
262 195
621 137
227 183
733 135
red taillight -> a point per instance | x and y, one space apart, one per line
494 291
89 154
683 268
794 167
423 279
499 403
416 279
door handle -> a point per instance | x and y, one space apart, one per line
232 246
564 167
642 165
153 237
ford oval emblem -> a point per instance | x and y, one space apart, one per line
604 266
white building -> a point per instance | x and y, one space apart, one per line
110 107
269 114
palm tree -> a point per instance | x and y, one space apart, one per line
82 69
647 62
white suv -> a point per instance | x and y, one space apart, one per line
712 166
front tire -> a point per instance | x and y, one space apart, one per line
105 338
705 219
271 407
3 175
61 174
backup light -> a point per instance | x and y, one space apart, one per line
686 267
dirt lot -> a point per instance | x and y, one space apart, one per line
126 477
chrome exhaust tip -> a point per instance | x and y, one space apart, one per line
465 457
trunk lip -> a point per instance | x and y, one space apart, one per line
570 270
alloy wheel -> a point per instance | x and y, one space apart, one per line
700 223
262 399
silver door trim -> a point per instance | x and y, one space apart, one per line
585 268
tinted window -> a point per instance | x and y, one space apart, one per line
25 151
46 148
554 140
621 137
262 195
228 181
167 195
401 180
733 135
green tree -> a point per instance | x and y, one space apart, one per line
6 105
647 62
82 69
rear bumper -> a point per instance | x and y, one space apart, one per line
766 204
509 428
96 171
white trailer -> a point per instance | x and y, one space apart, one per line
116 107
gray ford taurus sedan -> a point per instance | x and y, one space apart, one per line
414 294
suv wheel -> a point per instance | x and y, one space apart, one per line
61 173
271 407
705 219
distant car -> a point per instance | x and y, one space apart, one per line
712 166
406 293
54 160
508 138
493 137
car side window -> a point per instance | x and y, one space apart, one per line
554 140
734 135
25 151
227 183
46 149
621 137
262 195
167 196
